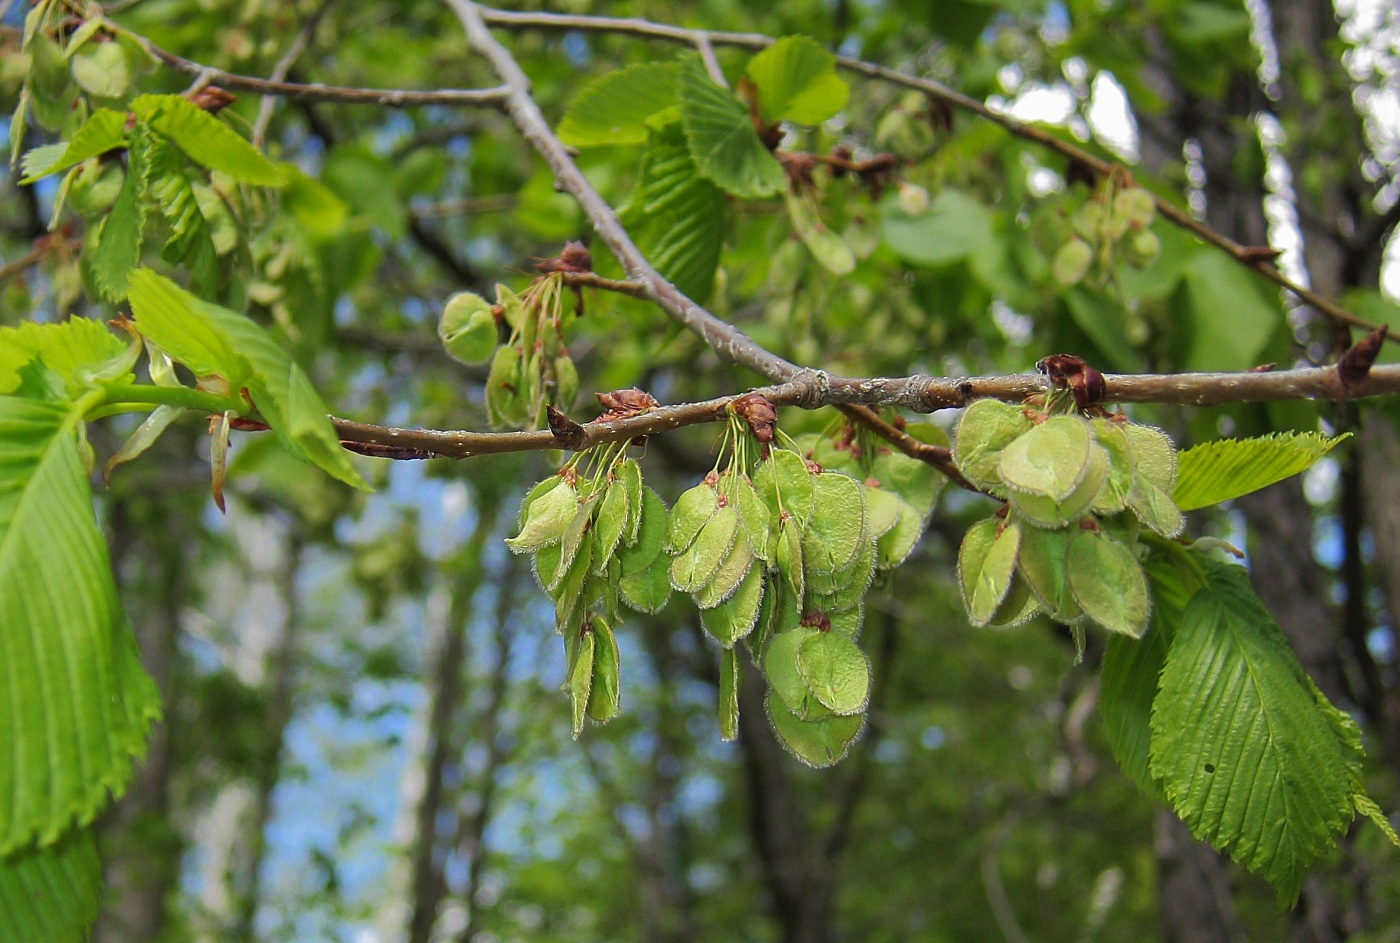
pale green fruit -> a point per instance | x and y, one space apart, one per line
1108 583
836 671
986 428
546 518
697 564
467 328
736 617
821 742
1051 459
1071 262
605 689
1041 562
1141 248
1135 206
986 565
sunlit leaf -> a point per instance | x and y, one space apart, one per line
204 139
613 108
797 81
213 340
1228 468
79 706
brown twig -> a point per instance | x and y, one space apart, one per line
1244 255
316 92
926 394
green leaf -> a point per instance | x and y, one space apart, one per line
1228 468
104 131
678 216
1231 313
722 139
78 706
75 349
205 140
954 227
51 894
613 109
797 81
1126 691
1131 668
213 340
119 244
191 241
1244 754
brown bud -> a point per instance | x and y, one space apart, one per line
567 433
1356 363
574 258
1067 371
623 404
760 415
212 99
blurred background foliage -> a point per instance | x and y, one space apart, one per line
364 737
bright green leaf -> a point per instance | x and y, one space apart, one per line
206 140
678 217
119 245
75 349
104 131
79 706
102 69
1244 754
1230 312
51 893
722 139
796 81
205 337
613 109
1228 468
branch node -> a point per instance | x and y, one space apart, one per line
813 388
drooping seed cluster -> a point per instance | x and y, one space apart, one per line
1078 492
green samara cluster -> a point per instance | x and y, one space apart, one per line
1078 492
777 554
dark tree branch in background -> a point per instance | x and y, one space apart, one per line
1245 255
283 66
